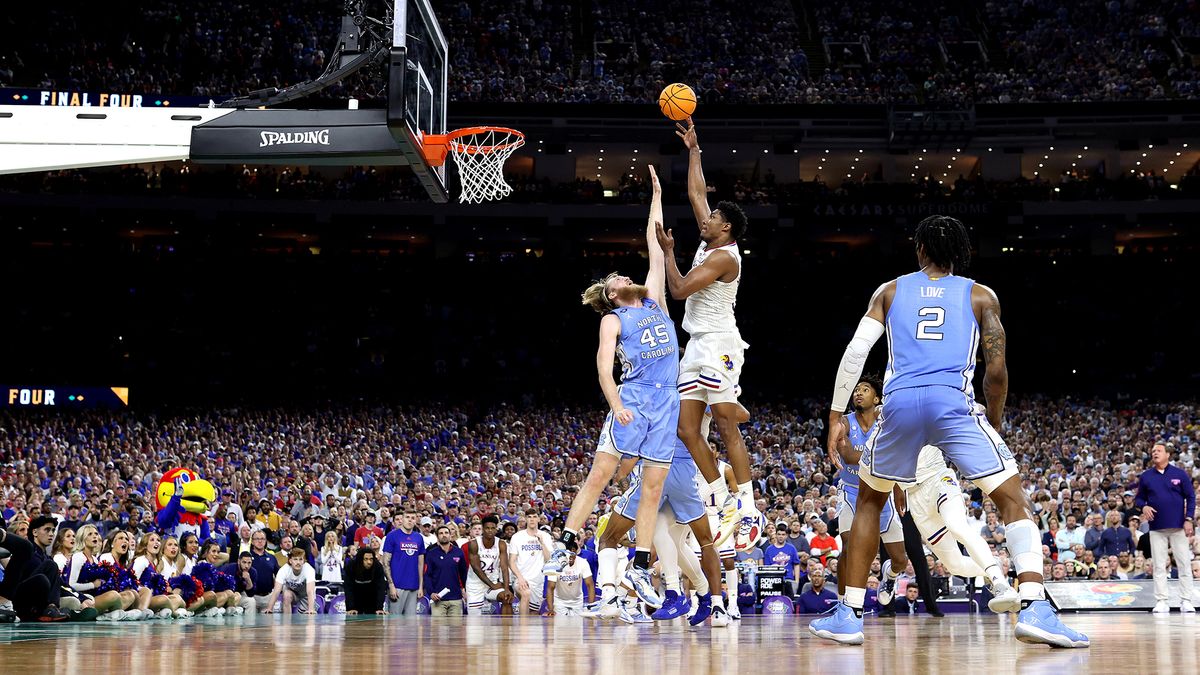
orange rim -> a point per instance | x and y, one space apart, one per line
435 147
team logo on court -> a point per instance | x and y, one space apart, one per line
727 361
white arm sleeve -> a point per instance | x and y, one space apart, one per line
868 333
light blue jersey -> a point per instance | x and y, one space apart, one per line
932 334
647 348
857 438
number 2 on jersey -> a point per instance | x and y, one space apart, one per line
653 337
936 316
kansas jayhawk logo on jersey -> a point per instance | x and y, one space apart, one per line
949 481
727 361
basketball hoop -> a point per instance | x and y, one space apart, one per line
479 153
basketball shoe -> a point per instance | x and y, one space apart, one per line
1039 624
840 625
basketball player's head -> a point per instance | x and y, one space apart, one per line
942 241
726 223
490 524
613 291
867 393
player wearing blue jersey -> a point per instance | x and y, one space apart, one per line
935 322
679 494
860 424
637 331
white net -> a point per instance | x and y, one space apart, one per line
480 157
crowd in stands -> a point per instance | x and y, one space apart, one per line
601 51
365 183
318 489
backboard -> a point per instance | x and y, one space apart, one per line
418 72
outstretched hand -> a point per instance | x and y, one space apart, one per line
688 134
654 181
665 241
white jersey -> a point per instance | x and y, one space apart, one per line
569 582
930 464
530 553
489 562
710 309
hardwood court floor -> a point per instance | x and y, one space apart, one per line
290 645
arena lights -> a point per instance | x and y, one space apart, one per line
1052 147
1085 147
989 149
1151 146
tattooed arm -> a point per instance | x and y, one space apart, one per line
995 375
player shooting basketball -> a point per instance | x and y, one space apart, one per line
709 372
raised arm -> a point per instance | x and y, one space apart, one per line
656 278
870 329
995 343
697 188
610 329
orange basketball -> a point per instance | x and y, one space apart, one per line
677 101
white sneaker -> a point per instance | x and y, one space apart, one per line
1005 598
720 617
221 611
735 612
237 611
611 609
1161 607
182 613
132 615
116 615
164 613
1186 607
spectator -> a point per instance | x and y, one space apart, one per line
265 567
366 585
403 560
329 560
993 532
366 534
1125 569
296 583
30 583
779 552
1168 500
1067 538
244 579
817 597
1115 538
909 602
445 571
822 544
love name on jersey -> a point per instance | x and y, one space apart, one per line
932 292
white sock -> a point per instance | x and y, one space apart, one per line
995 575
731 582
672 583
746 493
855 597
1032 590
718 601
719 489
892 572
607 560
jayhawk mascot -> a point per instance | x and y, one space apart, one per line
183 499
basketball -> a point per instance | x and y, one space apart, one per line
677 101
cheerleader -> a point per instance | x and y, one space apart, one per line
63 548
178 562
222 585
166 601
117 553
85 574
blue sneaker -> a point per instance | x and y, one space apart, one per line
1038 624
634 616
674 606
639 580
558 560
840 626
703 609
